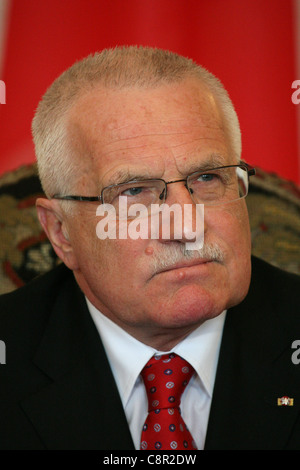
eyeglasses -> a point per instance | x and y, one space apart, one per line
211 187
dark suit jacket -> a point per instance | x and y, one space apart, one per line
57 390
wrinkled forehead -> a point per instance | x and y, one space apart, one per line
110 127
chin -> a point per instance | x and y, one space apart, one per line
192 305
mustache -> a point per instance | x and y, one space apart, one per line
177 253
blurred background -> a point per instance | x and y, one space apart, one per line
253 46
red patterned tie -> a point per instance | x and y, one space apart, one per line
165 379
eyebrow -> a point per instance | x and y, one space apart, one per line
126 176
211 162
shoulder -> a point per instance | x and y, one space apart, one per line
274 295
34 300
38 286
272 302
274 280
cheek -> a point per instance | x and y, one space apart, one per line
119 262
117 278
230 228
231 225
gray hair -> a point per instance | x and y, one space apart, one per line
117 68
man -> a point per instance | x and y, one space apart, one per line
147 126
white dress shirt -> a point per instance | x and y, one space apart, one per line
127 356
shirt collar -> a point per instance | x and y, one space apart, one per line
201 349
127 356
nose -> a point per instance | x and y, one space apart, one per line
181 219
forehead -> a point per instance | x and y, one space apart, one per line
147 131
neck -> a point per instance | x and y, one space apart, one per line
161 339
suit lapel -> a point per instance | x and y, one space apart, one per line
254 370
81 407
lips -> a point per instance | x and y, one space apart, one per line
185 264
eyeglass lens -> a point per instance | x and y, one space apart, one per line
211 187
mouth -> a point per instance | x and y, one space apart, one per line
186 264
182 264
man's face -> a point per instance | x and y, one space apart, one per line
166 132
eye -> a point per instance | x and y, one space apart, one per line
132 191
207 177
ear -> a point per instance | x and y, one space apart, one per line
54 223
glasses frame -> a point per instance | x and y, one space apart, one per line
249 169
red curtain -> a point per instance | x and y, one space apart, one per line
249 45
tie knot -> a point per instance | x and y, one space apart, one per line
165 378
